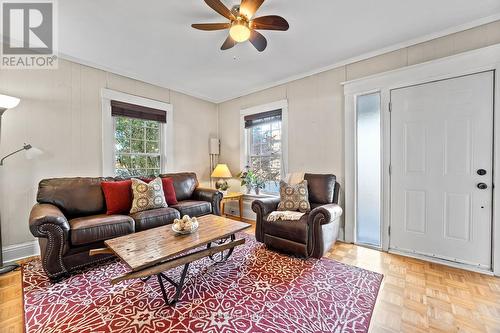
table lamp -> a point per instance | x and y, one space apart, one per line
222 172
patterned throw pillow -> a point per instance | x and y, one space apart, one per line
294 197
147 195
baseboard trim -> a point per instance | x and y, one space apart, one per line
20 251
444 262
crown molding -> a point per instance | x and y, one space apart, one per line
368 55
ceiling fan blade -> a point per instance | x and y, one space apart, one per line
257 40
229 43
211 26
249 7
219 7
271 22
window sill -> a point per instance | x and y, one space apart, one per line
259 196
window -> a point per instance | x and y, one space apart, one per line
137 147
137 139
264 147
368 170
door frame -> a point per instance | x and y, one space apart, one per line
480 60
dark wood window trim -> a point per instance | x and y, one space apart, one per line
262 118
123 109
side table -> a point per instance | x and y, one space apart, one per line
230 197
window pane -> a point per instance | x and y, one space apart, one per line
368 169
137 147
153 162
265 153
152 147
152 134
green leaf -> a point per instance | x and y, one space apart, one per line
153 162
152 134
137 146
152 147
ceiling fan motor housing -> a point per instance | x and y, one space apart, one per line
235 10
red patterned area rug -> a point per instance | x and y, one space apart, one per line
256 290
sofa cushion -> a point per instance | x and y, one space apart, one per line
73 196
118 196
184 183
321 188
291 230
147 195
154 218
169 191
91 229
193 208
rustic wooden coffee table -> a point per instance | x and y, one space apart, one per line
154 251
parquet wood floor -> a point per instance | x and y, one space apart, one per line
416 296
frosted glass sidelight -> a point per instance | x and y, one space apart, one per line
368 170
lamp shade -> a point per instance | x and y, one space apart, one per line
8 102
221 171
32 153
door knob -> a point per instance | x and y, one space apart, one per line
482 186
481 172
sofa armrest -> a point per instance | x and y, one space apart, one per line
325 214
47 214
210 195
49 223
265 206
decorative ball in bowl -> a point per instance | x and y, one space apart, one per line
186 225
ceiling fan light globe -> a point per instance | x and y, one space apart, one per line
239 32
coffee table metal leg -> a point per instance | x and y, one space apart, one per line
178 285
223 256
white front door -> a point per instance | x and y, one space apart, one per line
441 169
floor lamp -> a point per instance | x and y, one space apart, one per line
6 102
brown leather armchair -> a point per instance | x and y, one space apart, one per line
70 218
315 233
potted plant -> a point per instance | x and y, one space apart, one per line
247 178
259 184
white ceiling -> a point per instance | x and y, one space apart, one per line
152 40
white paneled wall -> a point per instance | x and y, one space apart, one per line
316 106
60 112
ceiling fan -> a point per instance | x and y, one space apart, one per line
243 26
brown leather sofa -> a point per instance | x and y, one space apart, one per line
315 233
70 218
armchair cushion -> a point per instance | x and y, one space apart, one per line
91 229
294 197
321 188
292 230
193 208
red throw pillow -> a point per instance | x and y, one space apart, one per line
118 196
169 191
